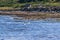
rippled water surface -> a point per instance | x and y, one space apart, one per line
12 29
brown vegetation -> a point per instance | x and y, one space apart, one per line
32 15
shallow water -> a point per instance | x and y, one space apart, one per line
12 29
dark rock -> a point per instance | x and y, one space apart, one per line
42 8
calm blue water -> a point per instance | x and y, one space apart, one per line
12 29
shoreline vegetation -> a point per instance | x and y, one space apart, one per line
33 5
31 9
31 15
40 12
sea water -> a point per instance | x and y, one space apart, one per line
43 29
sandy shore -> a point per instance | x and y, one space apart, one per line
31 15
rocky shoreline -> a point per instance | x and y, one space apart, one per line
38 12
41 8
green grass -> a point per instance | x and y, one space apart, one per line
52 4
41 3
18 5
6 8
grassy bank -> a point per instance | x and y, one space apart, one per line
34 4
20 3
